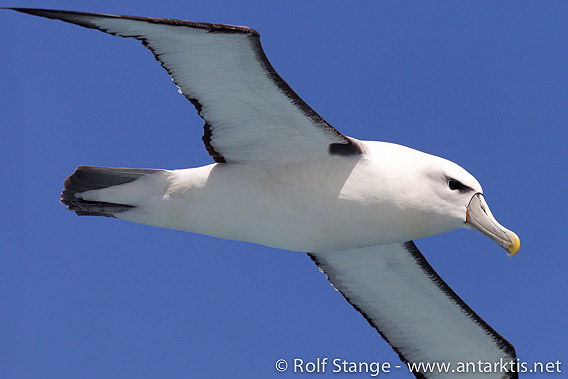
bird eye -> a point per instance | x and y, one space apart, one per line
455 185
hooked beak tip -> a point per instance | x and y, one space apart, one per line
515 244
480 218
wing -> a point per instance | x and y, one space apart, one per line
250 112
415 311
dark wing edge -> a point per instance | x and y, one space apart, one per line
350 146
427 269
419 258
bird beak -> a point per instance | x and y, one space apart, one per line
480 218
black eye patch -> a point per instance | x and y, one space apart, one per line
456 185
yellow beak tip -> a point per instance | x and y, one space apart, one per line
516 245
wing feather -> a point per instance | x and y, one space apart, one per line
415 311
251 114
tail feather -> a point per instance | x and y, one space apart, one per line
88 178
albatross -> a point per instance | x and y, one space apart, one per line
284 177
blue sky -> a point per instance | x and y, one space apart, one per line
483 84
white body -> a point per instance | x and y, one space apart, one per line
333 203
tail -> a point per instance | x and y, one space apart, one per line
89 178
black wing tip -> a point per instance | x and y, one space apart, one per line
53 13
23 10
210 27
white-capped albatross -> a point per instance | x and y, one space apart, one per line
286 178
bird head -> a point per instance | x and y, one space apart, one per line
466 204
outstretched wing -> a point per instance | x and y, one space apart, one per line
250 112
415 311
